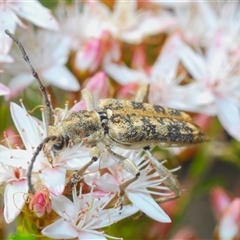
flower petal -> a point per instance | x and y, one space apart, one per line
4 90
124 75
74 158
15 158
98 85
193 62
229 223
107 183
29 130
34 12
19 82
229 116
54 178
6 22
209 15
61 77
167 63
89 56
91 235
60 229
220 200
5 58
110 216
147 205
15 196
149 25
61 204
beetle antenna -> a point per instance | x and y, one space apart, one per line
30 168
48 111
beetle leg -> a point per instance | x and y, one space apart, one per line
122 188
130 167
77 176
170 180
142 93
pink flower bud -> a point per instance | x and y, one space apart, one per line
88 58
128 91
98 85
220 200
139 58
40 202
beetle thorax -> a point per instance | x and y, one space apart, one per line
83 127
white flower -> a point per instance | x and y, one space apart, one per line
15 194
32 134
32 11
48 53
125 22
80 218
222 16
164 83
216 90
102 28
76 14
91 43
137 192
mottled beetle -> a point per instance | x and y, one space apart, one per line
123 123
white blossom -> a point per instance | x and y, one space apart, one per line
32 11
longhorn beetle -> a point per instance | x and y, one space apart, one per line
123 123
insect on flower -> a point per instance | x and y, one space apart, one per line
127 124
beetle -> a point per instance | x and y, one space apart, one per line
123 123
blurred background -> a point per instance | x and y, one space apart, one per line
189 54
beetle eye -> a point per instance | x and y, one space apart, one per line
59 146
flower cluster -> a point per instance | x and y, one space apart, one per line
50 179
188 52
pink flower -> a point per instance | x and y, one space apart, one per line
220 200
227 212
95 52
229 223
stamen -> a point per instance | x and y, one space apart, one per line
5 135
44 120
66 110
175 169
